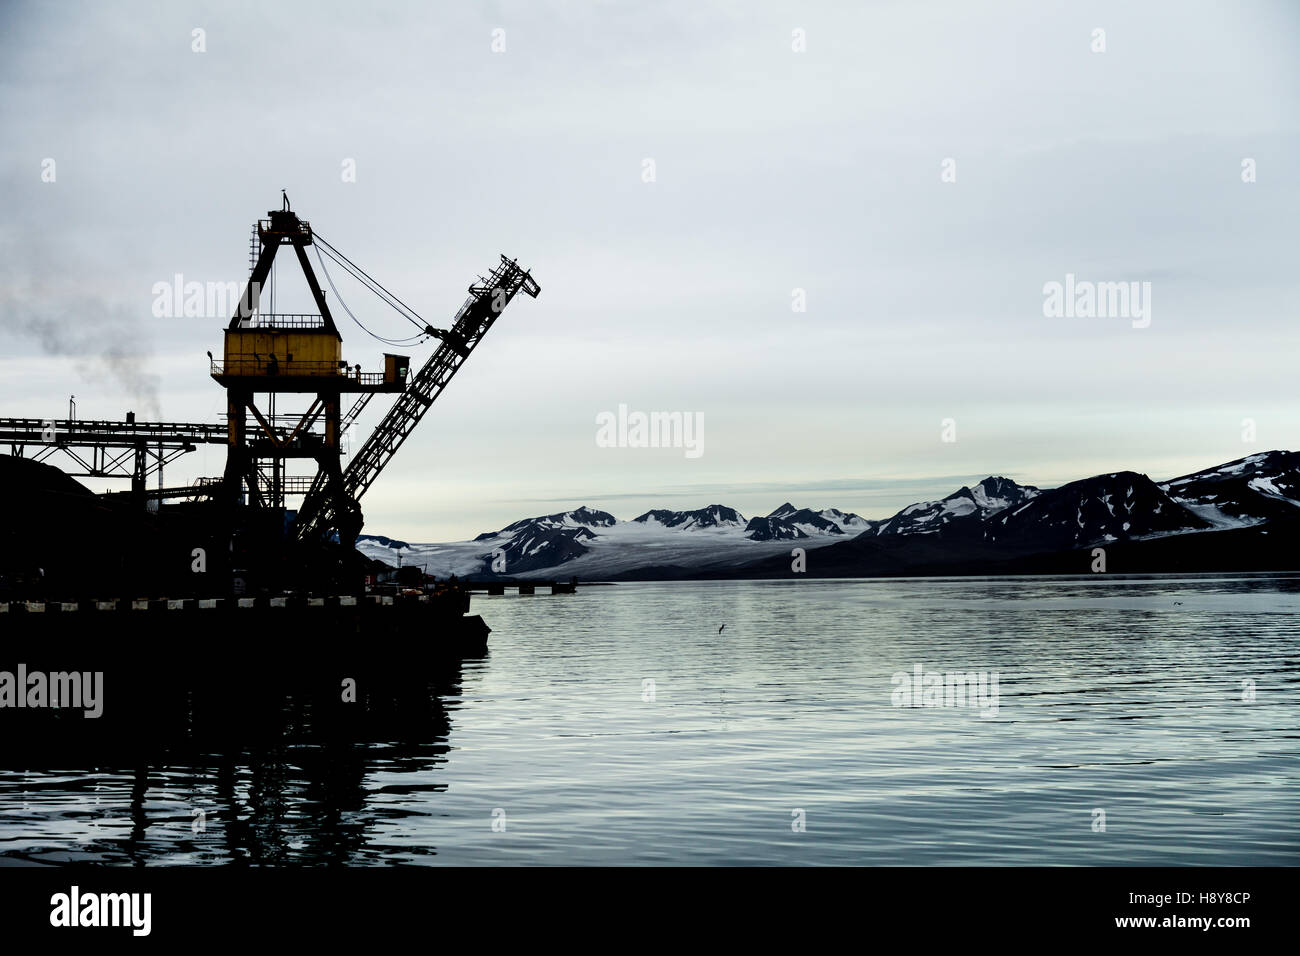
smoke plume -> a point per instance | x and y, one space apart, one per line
104 339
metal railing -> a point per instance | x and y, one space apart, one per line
248 365
282 320
207 487
62 431
264 228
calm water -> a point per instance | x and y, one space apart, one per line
1122 695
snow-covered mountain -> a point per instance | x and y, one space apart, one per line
534 544
788 522
533 549
848 522
583 517
1105 508
592 543
964 507
993 520
714 516
1242 493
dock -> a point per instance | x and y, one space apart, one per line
523 587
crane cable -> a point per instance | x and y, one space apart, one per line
396 343
412 340
361 276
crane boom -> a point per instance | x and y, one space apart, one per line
324 507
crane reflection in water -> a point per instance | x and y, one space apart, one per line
266 770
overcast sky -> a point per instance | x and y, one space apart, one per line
774 170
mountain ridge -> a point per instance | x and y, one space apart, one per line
996 522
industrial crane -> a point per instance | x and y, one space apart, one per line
332 505
273 364
293 354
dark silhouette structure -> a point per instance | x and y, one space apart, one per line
271 364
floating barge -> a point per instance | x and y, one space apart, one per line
127 631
